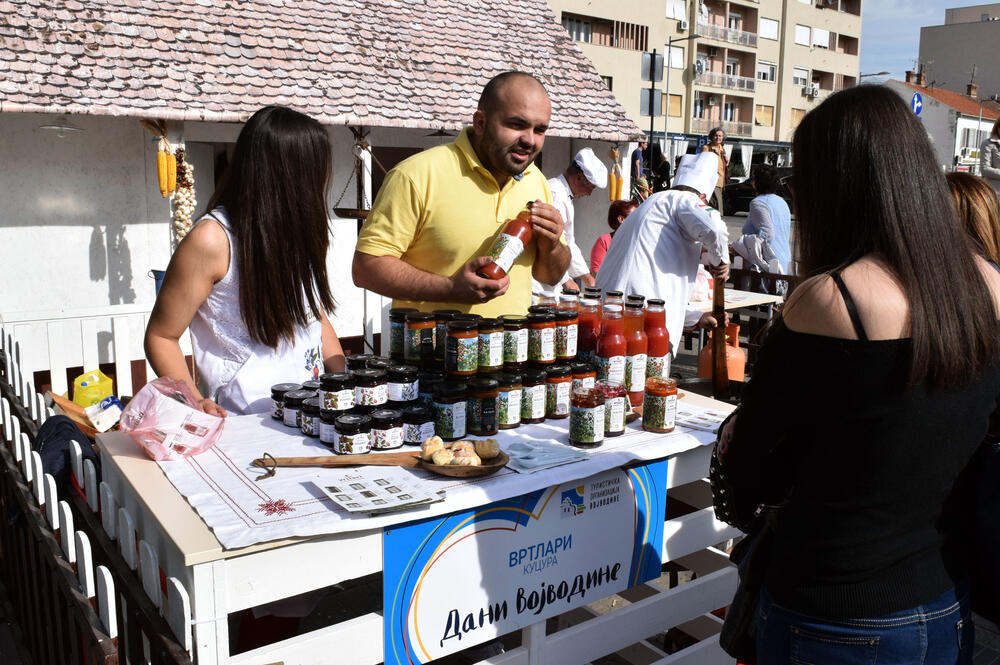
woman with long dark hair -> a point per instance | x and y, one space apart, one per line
885 366
250 278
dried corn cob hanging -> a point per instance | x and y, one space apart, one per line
184 201
161 168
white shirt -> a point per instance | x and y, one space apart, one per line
657 250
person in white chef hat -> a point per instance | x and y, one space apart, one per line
656 252
583 175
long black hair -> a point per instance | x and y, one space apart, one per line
866 182
274 192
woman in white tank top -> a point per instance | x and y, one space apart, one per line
250 278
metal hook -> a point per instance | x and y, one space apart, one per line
268 464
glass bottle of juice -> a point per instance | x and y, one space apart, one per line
636 350
658 354
588 329
611 347
508 246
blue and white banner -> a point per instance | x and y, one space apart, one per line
453 582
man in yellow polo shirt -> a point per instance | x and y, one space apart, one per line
435 218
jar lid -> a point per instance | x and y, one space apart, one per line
467 316
532 375
633 304
480 383
582 368
653 383
450 389
282 388
352 423
398 314
459 324
402 373
566 315
372 374
358 360
418 413
655 302
614 294
296 397
310 385
311 405
570 292
514 319
419 316
541 309
590 302
380 363
509 378
336 381
445 314
613 308
486 324
542 317
385 416
635 297
559 371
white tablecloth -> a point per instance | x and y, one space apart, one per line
221 485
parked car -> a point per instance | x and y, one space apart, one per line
736 196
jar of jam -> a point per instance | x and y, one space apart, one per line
490 345
404 385
558 382
371 389
387 429
532 395
379 363
615 406
397 332
509 408
461 353
292 403
442 318
542 338
310 416
278 392
419 347
566 334
312 385
357 361
354 435
327 426
418 424
508 245
450 410
586 418
584 376
659 408
515 340
483 403
547 298
569 300
426 383
336 391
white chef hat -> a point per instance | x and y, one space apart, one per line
700 172
593 168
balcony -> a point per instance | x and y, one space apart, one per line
704 125
724 34
719 80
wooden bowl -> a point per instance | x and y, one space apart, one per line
491 465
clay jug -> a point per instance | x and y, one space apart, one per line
736 358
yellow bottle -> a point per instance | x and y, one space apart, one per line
91 387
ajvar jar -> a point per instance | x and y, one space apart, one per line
566 334
659 408
509 409
542 338
490 345
584 375
515 340
461 355
450 410
420 332
558 383
532 395
615 407
586 418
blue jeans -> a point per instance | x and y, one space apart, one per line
937 633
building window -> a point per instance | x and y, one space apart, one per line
735 21
763 115
676 9
733 67
607 81
579 29
677 57
797 115
802 33
675 106
699 107
821 38
768 28
603 32
729 111
800 76
767 71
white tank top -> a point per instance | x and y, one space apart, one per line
234 370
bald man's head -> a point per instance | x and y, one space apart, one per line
491 97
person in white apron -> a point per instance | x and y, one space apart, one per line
269 212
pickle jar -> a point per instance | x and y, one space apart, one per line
426 383
387 429
558 382
566 334
490 345
371 390
292 406
450 410
515 340
420 332
310 416
461 353
397 332
442 317
584 376
509 407
418 424
278 392
659 405
357 361
532 395
483 403
586 418
404 386
542 338
615 406
336 391
354 435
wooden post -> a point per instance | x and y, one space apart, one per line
720 372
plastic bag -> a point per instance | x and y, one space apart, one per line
165 420
702 289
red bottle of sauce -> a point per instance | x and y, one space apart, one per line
588 329
508 246
658 354
636 350
611 347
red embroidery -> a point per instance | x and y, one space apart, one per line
275 507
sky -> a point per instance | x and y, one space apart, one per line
890 32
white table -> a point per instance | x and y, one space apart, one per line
736 299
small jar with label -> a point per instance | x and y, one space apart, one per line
278 392
426 383
490 345
450 410
461 353
312 385
509 408
483 403
397 332
387 429
659 407
584 376
404 385
371 390
558 382
615 406
354 435
586 418
532 395
327 426
515 341
418 424
442 317
310 416
357 361
336 391
566 334
420 333
292 406
542 338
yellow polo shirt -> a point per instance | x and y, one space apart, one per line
441 208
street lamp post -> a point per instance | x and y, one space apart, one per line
666 61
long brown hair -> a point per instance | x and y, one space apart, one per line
274 192
867 182
978 212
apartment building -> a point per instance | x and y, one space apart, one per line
966 49
755 69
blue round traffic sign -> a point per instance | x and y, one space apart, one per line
917 103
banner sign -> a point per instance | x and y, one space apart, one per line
453 582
